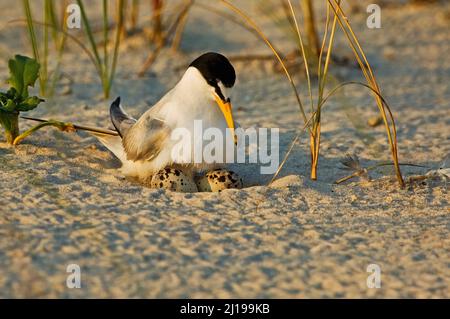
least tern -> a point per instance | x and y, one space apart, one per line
144 145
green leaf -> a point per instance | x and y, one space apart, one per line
3 98
23 72
11 93
10 105
8 101
29 103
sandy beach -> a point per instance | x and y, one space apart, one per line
65 202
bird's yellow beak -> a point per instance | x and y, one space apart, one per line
225 107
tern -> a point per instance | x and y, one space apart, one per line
145 146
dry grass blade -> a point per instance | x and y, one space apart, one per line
286 156
34 45
227 16
323 73
134 14
365 171
178 33
90 35
153 55
322 104
368 73
157 7
339 18
105 69
302 50
310 25
253 25
68 35
74 126
105 36
324 42
291 147
119 32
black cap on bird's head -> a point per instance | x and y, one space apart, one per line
220 75
215 68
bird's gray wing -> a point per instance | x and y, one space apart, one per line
142 139
146 138
119 118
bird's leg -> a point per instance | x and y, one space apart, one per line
173 179
218 180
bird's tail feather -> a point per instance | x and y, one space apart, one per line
113 143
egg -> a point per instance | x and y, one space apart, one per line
218 180
173 179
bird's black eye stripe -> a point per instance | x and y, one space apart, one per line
214 84
220 94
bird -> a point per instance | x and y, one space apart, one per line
144 145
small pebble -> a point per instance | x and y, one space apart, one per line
375 121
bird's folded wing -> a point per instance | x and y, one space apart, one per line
145 139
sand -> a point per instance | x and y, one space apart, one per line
64 201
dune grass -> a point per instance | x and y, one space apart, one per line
41 45
34 45
310 26
172 31
105 61
102 51
106 64
134 14
335 18
157 10
384 109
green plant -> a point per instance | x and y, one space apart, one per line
23 73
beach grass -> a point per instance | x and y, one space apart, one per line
335 18
105 64
40 42
172 30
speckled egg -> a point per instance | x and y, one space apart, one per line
218 180
173 179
